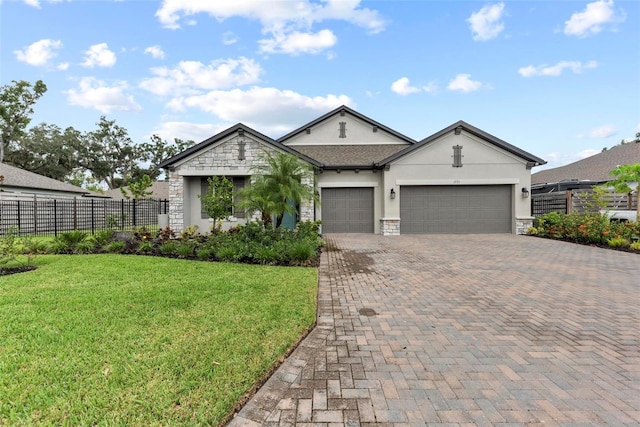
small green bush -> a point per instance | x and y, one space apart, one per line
618 242
101 238
189 232
301 252
85 247
204 254
146 247
116 247
185 250
9 248
635 246
67 243
532 231
267 255
168 248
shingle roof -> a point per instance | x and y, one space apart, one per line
349 155
594 168
20 178
159 189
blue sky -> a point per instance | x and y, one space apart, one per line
560 79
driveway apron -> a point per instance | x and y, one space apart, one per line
463 330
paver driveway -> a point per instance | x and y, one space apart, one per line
467 330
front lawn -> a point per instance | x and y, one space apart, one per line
134 340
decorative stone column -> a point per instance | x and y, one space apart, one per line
523 224
390 226
176 201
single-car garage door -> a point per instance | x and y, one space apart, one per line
455 209
347 210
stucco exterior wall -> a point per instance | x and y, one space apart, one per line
357 132
483 164
351 179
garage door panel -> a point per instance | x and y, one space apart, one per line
455 209
347 210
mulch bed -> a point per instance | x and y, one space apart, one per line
595 245
5 271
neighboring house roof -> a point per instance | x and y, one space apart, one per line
230 131
20 180
159 190
594 168
349 155
346 109
461 125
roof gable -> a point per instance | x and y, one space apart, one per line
356 129
458 127
237 129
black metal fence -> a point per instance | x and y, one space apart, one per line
548 202
49 217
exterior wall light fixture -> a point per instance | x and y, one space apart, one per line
525 192
392 194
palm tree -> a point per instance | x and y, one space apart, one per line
279 186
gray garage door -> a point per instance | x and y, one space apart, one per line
455 209
347 210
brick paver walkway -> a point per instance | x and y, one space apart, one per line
463 330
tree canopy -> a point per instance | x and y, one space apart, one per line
16 106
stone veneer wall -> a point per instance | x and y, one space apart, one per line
176 201
523 224
390 226
222 159
307 209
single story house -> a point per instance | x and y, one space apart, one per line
372 179
20 182
159 191
584 173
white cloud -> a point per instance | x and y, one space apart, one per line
228 38
604 131
463 83
402 86
63 66
295 42
187 131
191 77
99 55
286 22
600 132
556 159
36 3
556 70
274 110
93 93
486 23
587 153
155 52
39 53
591 19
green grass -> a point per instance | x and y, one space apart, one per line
133 340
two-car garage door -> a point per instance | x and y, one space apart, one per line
455 209
423 209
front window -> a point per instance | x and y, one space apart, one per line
238 184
